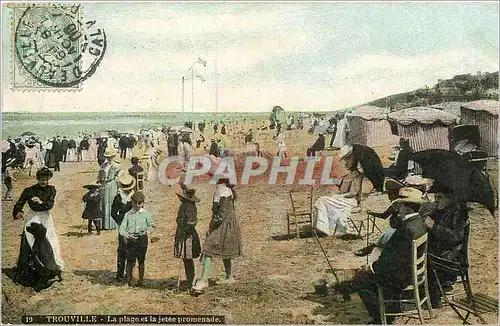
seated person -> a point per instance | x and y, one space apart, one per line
405 192
350 186
392 269
319 145
447 224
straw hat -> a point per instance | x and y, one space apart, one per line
125 180
345 150
188 193
10 161
91 185
110 152
410 195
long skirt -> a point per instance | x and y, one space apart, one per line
225 241
48 262
331 214
108 193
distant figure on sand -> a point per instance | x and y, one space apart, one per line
341 135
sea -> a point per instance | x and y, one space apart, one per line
44 125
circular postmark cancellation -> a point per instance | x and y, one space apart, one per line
55 47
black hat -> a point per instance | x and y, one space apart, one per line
44 173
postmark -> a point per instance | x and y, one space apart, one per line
54 48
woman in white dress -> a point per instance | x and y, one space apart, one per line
341 135
280 143
40 257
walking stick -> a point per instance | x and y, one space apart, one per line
326 257
179 271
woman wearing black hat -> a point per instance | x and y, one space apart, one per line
39 256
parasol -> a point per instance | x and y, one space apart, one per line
28 133
452 171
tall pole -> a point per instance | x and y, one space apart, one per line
216 89
183 94
192 90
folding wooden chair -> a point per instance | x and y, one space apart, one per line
466 303
419 280
301 210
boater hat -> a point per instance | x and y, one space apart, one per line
125 181
110 152
411 196
91 185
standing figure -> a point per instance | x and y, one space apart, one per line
92 153
39 255
122 203
107 179
223 239
187 242
136 226
92 211
64 149
341 135
8 177
280 143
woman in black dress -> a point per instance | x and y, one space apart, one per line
39 255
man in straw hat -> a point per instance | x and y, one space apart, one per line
107 179
395 190
135 227
187 244
122 204
392 269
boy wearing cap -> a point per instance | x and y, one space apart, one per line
135 227
8 177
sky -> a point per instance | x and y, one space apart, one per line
302 56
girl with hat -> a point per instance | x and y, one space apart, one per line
92 211
8 177
107 179
40 198
223 239
187 242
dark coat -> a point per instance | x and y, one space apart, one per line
448 233
119 209
186 239
214 149
134 170
393 267
92 210
319 144
64 145
71 143
46 194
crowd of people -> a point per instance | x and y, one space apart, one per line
116 201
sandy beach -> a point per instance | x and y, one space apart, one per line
274 276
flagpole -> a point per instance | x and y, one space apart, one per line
216 89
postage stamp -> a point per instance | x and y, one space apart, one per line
53 48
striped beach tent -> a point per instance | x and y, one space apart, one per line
369 126
484 114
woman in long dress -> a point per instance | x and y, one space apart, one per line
109 188
341 135
39 255
223 239
280 143
92 152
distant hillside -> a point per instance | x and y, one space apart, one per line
466 87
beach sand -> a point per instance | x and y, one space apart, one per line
274 276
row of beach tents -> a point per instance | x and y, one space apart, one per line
425 127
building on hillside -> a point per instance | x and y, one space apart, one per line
369 126
483 113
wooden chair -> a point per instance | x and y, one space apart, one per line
419 280
301 210
466 303
139 184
